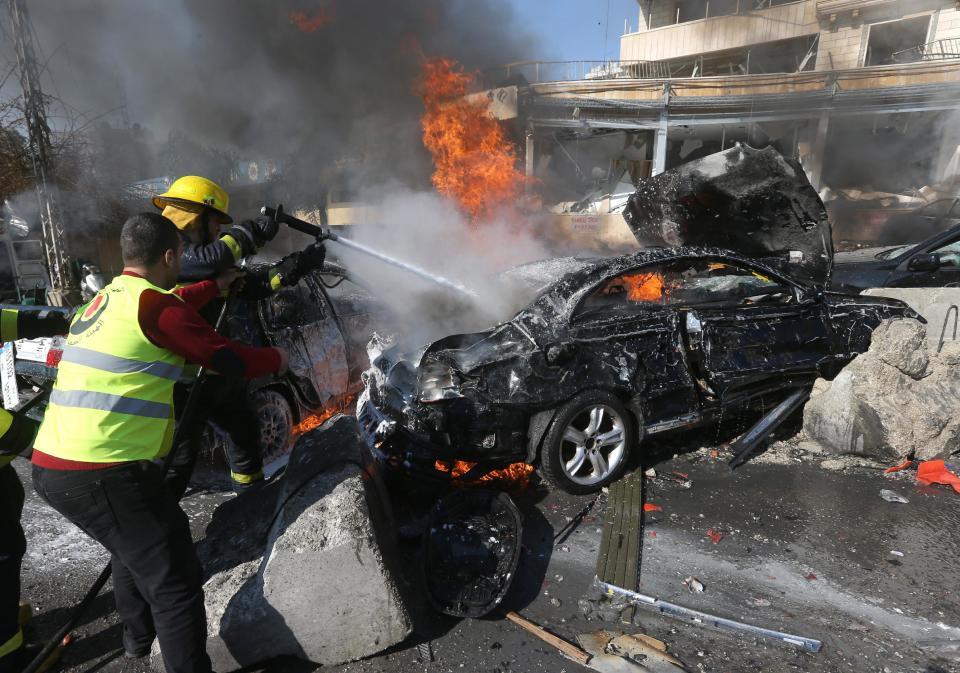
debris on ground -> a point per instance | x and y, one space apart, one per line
715 535
616 652
693 585
892 496
938 472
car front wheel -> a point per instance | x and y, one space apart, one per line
588 444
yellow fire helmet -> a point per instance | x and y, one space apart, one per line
196 191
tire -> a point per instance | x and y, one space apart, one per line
588 443
275 422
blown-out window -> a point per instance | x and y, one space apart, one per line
686 283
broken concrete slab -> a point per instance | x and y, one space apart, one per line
895 401
930 302
311 576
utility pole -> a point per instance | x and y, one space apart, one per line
63 289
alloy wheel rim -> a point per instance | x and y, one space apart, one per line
271 426
593 445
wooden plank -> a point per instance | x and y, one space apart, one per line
618 561
568 649
632 576
624 535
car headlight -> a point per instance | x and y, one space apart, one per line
438 382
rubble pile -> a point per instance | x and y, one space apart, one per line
320 585
898 400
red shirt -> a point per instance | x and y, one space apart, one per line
177 326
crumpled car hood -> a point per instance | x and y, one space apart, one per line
469 352
755 202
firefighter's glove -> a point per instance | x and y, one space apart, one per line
285 273
265 229
311 258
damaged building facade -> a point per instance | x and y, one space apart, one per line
862 92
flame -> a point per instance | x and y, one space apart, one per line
306 23
644 286
474 161
516 475
318 419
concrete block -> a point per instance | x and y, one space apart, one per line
321 584
895 401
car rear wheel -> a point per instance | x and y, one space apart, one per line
275 421
588 444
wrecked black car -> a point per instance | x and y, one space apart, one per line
610 351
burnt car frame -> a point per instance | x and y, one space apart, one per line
611 353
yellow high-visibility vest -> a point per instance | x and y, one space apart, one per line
113 397
6 420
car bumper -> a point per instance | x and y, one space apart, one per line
399 448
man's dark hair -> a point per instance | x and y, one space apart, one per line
146 237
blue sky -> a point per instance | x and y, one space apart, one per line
576 30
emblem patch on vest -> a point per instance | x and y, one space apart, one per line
91 314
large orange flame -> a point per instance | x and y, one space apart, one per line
474 161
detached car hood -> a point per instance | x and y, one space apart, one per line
755 202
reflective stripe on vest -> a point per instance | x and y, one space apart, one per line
113 397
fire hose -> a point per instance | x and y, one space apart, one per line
189 409
325 234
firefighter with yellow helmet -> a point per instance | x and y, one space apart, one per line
199 207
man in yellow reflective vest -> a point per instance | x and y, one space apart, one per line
16 434
110 418
199 207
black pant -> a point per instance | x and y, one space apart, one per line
224 400
12 547
157 579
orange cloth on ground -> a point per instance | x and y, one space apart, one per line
936 472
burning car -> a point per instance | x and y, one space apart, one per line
610 351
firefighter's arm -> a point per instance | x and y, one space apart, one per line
16 324
203 262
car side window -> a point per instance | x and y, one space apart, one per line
687 283
949 254
294 307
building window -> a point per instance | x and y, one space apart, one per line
896 41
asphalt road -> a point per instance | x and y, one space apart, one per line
800 550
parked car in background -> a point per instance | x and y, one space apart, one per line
933 262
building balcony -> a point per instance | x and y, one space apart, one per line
737 30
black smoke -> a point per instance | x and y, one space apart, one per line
241 76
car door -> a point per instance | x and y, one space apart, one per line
747 329
917 269
628 339
300 320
